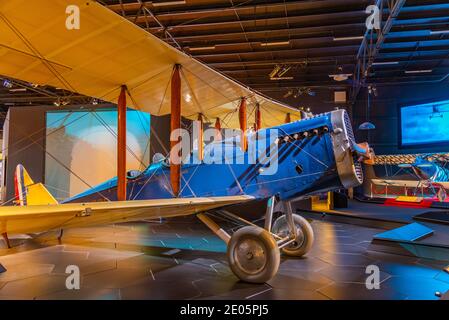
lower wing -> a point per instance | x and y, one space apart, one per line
41 218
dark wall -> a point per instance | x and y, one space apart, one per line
25 145
384 114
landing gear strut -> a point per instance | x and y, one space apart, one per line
253 252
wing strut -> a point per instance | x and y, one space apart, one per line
175 165
121 145
243 124
258 118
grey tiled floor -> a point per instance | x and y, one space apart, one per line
137 261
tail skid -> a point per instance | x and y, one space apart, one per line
29 193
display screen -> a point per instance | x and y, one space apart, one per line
425 124
81 148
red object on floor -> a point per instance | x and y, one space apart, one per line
426 203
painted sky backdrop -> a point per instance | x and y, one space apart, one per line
85 142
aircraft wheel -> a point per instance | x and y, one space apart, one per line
304 239
253 255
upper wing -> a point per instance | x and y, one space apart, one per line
40 218
109 51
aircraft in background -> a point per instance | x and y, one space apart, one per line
429 170
429 167
432 173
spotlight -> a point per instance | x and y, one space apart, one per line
372 90
276 69
61 102
7 84
311 93
94 102
288 94
284 70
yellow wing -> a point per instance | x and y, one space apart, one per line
41 218
109 51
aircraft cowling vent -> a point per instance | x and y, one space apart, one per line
351 136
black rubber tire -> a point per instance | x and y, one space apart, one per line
305 228
270 249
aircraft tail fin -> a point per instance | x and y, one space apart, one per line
29 193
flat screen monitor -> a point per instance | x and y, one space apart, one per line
425 125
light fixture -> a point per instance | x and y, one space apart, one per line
281 78
367 126
188 98
7 84
440 32
94 102
288 94
311 93
340 77
279 71
385 63
18 90
284 70
201 48
348 38
275 43
276 69
418 71
167 3
61 102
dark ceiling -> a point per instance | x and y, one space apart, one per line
310 40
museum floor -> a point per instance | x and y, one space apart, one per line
156 261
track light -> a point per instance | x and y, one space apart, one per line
440 32
284 70
275 43
311 93
418 71
201 48
61 102
282 78
167 3
348 38
385 63
288 94
276 69
7 84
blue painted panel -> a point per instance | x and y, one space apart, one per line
411 232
